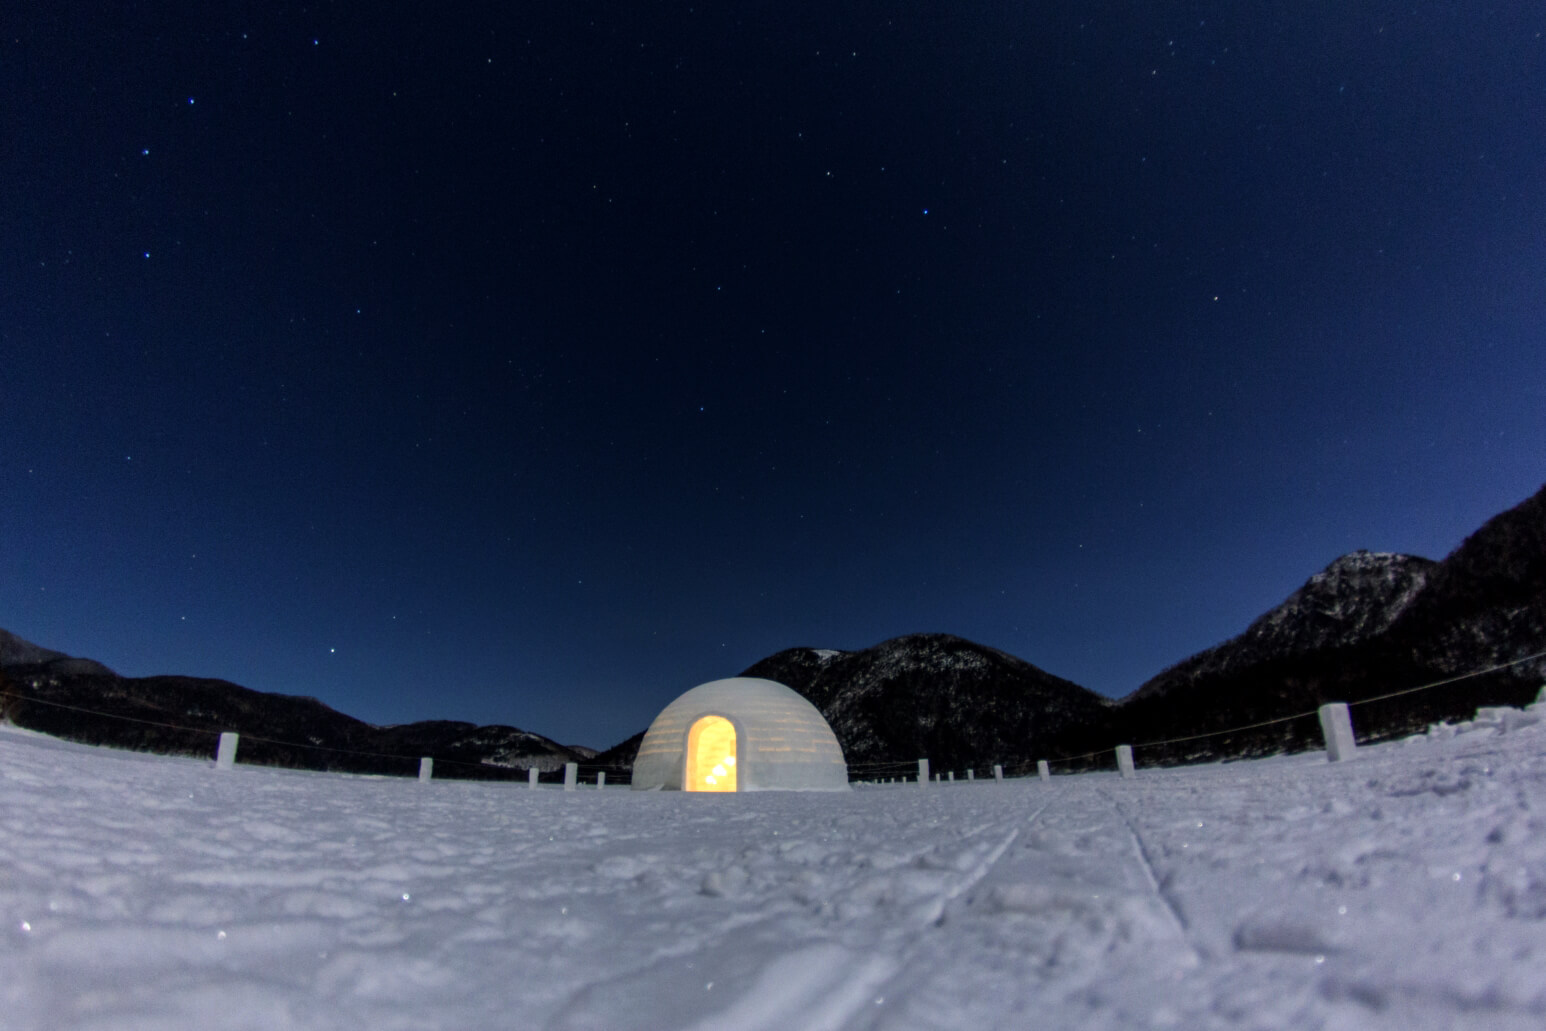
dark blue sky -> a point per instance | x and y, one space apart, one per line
533 363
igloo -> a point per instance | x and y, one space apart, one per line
740 734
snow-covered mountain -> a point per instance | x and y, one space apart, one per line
1355 598
1486 602
1366 625
940 696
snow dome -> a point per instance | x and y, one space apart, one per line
740 734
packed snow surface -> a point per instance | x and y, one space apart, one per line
1404 889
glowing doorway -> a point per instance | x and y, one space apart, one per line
711 755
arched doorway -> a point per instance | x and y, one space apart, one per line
711 755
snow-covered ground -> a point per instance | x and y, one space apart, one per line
1405 889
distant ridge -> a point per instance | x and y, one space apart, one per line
180 715
939 696
1354 599
16 652
1368 624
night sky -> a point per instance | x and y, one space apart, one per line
532 363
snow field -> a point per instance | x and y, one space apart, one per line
1405 889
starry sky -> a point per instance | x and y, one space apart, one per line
532 363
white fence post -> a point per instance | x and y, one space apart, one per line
923 773
426 769
971 774
952 776
998 771
531 777
1337 727
571 775
601 779
1042 770
1125 760
225 755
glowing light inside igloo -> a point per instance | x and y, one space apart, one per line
711 755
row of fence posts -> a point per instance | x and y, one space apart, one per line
225 759
1336 728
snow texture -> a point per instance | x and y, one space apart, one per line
1405 889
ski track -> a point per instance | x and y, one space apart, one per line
1141 852
1406 889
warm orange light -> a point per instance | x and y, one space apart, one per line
711 755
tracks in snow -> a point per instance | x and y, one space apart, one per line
935 913
1045 909
1141 853
860 1008
1064 914
813 960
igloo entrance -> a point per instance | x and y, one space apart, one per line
711 755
